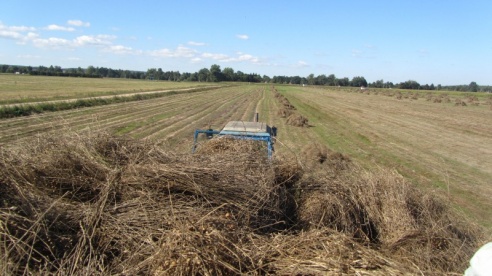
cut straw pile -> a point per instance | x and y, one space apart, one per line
101 205
288 111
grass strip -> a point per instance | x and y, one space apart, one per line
30 109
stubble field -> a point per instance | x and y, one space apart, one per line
351 189
436 145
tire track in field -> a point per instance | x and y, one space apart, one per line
184 119
163 125
24 126
228 110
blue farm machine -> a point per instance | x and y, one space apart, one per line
255 131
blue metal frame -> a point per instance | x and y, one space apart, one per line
265 137
208 132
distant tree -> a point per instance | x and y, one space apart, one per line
228 74
473 87
295 80
91 70
3 68
377 84
358 81
343 82
157 74
203 75
12 69
151 74
409 84
388 85
216 73
331 80
311 80
240 76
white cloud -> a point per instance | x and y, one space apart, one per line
10 34
196 60
16 28
28 56
96 40
302 64
78 23
122 50
179 52
242 36
241 57
52 42
220 57
246 57
16 32
194 43
54 27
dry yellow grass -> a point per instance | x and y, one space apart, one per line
102 205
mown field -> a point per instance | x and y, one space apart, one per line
396 161
18 89
436 145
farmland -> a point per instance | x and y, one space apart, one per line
15 89
436 145
438 148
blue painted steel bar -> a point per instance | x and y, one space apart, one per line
206 131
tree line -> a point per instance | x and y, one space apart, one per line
216 74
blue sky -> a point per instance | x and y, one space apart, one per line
440 42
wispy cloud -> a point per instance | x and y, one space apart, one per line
247 57
54 27
356 53
240 57
194 43
366 51
93 40
18 33
219 57
52 42
108 44
242 36
28 56
196 60
423 53
78 23
122 50
16 28
80 41
180 51
301 64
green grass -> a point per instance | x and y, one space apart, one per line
12 111
127 128
26 89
